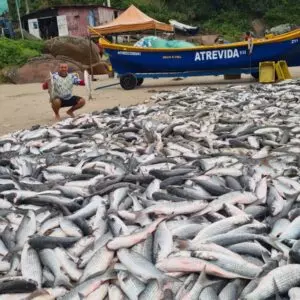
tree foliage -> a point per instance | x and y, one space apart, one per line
228 17
17 52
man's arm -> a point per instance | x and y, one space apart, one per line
45 85
77 81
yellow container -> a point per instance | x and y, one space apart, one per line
109 68
284 69
269 36
267 72
279 73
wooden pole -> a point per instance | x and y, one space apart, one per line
19 17
27 6
92 71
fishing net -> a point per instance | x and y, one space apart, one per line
156 42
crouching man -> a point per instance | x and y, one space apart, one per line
62 91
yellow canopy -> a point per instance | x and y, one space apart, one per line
131 19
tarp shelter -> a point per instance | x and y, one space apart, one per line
3 6
130 20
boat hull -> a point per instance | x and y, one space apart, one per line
213 59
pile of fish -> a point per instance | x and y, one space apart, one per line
195 196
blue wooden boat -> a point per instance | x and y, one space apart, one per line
133 64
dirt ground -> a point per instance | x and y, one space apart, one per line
22 106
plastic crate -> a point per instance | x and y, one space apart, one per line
269 36
282 70
267 72
279 73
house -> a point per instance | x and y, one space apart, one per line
64 20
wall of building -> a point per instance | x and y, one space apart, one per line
106 15
79 18
76 19
45 13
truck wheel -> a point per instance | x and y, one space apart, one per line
128 81
140 81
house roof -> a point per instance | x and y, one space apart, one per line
131 19
83 5
56 7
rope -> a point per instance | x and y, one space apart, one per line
250 49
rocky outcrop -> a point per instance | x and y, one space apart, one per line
259 27
280 29
78 49
26 35
204 39
37 69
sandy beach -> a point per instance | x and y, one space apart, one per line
22 106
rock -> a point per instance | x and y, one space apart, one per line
26 34
38 68
259 27
78 49
100 67
3 76
204 39
280 29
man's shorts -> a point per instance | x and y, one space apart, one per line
70 102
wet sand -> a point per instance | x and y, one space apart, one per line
25 105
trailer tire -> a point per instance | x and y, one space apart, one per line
255 75
128 81
140 81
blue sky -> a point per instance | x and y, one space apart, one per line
3 6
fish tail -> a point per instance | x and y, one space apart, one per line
182 244
165 280
63 280
204 281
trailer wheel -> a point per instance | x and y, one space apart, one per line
140 81
128 81
255 75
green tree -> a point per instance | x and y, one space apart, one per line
229 17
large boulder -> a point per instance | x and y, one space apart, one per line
210 39
280 29
26 35
101 67
78 49
38 68
259 27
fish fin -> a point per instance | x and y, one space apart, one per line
182 244
111 211
277 292
81 296
166 279
35 294
158 247
198 254
8 256
265 255
204 281
271 241
62 280
11 253
270 264
168 294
